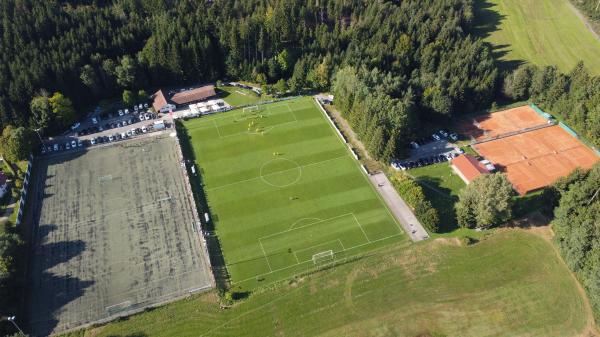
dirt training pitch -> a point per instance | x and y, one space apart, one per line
114 233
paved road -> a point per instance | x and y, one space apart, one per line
399 208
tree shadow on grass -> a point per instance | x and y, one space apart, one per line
213 243
487 20
442 200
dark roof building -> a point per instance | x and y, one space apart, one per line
194 95
468 167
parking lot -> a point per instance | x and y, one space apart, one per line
105 128
430 150
114 232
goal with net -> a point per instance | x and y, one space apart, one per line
251 109
323 257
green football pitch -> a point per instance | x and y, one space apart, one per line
284 192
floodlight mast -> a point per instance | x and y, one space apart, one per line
12 320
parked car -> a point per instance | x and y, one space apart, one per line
145 105
443 133
94 120
454 136
144 129
127 111
80 143
100 129
68 146
73 144
111 138
435 136
121 113
93 141
75 126
142 118
414 145
55 147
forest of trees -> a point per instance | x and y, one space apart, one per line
426 62
576 228
574 97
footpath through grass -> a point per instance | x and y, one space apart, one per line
543 32
510 284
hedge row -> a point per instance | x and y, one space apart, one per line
414 196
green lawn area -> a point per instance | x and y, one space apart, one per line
281 188
543 32
237 96
510 284
441 186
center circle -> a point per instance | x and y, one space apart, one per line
280 172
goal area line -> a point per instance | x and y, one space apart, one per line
302 263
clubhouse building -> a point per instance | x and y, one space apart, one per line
183 98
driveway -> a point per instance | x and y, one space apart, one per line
399 208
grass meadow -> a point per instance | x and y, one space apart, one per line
284 192
511 283
543 32
237 96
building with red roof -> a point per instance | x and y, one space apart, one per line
468 167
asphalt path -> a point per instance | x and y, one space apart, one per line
399 208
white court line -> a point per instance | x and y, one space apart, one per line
265 254
266 175
361 228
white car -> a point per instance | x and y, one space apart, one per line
145 105
123 135
68 146
94 120
135 108
436 136
454 136
127 111
443 133
93 141
124 123
55 147
80 143
121 112
414 145
144 129
75 126
73 144
142 118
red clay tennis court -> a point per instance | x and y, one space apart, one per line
501 122
536 158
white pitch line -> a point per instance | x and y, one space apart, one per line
266 175
295 265
361 228
217 127
265 254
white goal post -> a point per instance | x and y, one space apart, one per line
325 256
250 109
